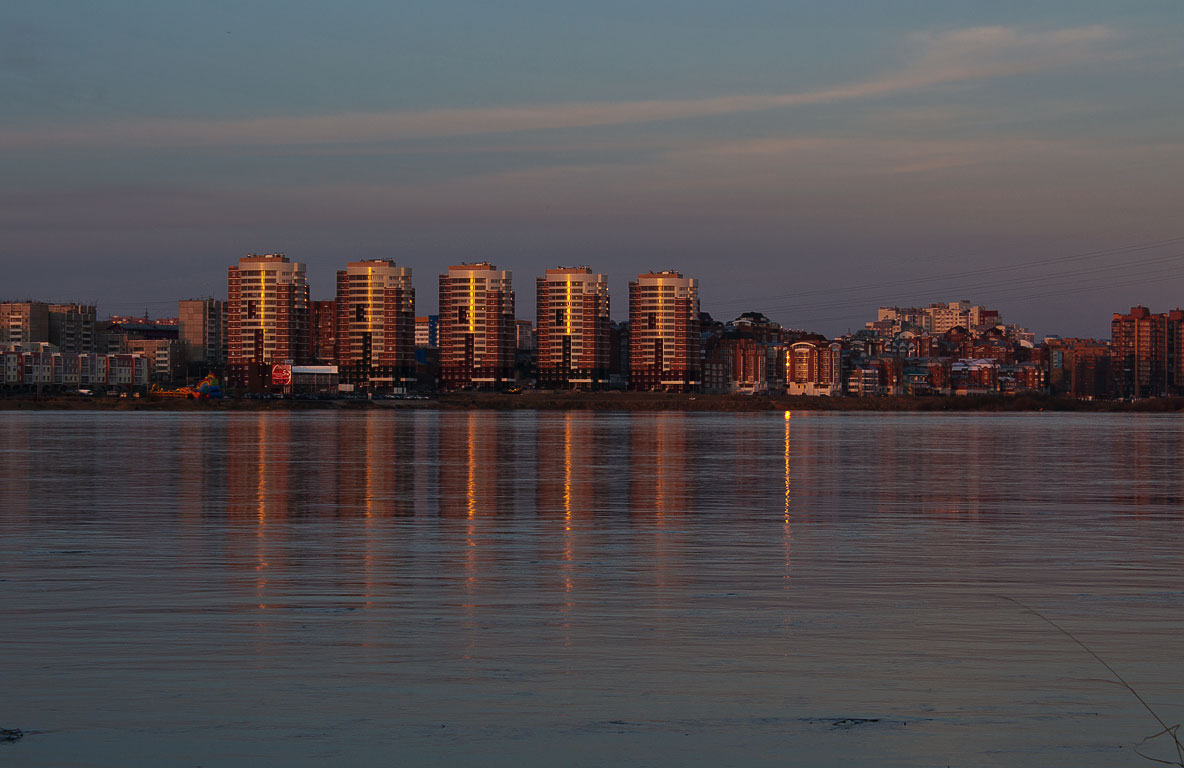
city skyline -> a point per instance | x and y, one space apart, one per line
767 149
995 286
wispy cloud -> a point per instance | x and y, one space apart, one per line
943 58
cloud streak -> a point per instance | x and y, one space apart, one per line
945 58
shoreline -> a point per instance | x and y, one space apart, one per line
606 402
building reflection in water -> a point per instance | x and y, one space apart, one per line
787 531
17 464
660 484
477 458
268 471
257 468
570 452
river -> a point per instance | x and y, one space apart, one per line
533 589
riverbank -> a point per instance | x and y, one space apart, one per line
602 402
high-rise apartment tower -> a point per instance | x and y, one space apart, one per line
476 327
664 333
375 324
573 328
267 317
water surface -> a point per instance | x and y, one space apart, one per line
521 588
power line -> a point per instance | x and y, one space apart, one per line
1048 294
1132 248
990 289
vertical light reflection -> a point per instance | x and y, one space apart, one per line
659 484
471 554
16 470
471 564
371 462
261 491
568 544
787 533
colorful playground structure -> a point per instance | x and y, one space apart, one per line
207 389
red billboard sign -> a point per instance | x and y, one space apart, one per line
281 375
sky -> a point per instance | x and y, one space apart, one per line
807 160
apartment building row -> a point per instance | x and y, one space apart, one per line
69 327
371 332
40 365
74 329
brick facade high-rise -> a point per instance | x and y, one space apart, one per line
573 328
375 324
1145 352
324 331
268 317
476 327
664 333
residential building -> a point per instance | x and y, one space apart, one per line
755 326
1022 377
268 318
201 329
891 321
477 329
664 338
1145 352
618 354
324 331
375 325
72 327
166 357
1079 368
939 318
24 322
116 338
40 366
573 329
738 365
864 381
525 338
814 367
427 331
974 377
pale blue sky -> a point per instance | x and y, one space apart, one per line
773 149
